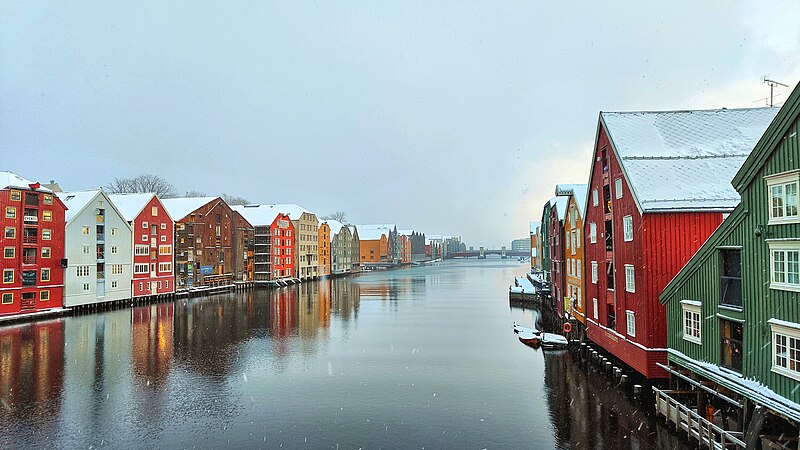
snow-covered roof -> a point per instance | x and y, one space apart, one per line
579 191
179 208
130 205
685 159
294 211
560 205
12 180
335 225
258 215
76 201
353 230
405 232
377 226
534 225
371 234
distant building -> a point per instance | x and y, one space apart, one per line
536 250
33 246
273 241
324 249
97 248
521 245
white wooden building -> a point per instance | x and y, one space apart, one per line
97 248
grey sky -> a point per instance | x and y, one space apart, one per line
450 118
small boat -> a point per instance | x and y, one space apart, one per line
535 338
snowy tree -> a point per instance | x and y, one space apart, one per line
144 183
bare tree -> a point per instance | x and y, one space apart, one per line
140 184
339 216
196 194
234 200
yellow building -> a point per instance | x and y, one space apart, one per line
574 262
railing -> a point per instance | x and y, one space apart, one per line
28 259
30 239
695 425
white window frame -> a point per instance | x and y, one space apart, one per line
627 228
137 269
690 309
594 272
578 268
594 305
141 250
791 331
630 323
618 188
595 200
630 279
783 247
145 225
593 233
783 179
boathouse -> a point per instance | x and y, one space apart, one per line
733 311
659 186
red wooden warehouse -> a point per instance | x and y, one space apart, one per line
153 243
33 247
558 207
659 186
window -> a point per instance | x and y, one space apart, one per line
16 196
116 269
165 267
630 321
691 320
782 197
85 231
48 199
8 298
618 188
11 212
46 252
86 249
784 267
82 271
163 226
47 216
594 272
45 275
569 241
113 284
630 282
144 238
47 234
8 252
578 268
11 232
785 348
8 276
627 228
113 231
163 239
113 249
594 307
86 286
593 233
154 211
145 225
164 249
731 334
44 296
139 268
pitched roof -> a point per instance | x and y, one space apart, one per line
405 232
258 215
560 204
10 179
378 226
579 191
294 211
534 225
76 201
179 208
130 205
684 159
768 143
371 234
335 225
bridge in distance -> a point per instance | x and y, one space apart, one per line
480 253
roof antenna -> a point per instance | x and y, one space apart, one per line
772 84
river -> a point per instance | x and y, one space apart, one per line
422 357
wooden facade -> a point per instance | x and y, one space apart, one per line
556 245
33 247
243 248
544 240
574 300
647 229
733 312
324 249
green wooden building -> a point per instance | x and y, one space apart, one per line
544 238
733 312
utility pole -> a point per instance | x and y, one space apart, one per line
772 84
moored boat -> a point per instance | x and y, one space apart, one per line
535 338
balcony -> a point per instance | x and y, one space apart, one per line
30 239
28 259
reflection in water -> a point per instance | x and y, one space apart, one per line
241 370
588 411
31 368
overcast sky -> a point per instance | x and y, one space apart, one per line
451 118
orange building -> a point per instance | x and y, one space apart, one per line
374 246
324 250
574 262
405 249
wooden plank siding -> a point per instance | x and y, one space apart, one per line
700 279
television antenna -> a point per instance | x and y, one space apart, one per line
772 84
